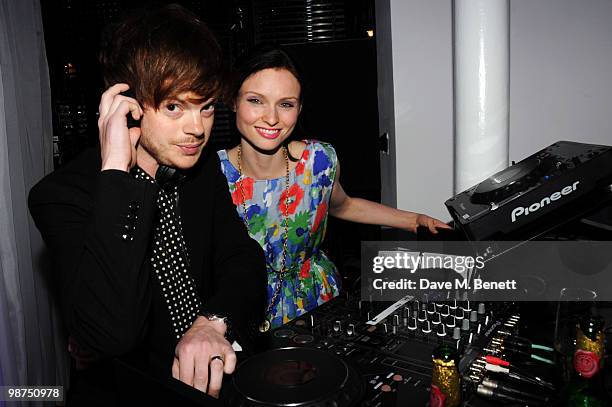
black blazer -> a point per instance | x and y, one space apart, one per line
98 227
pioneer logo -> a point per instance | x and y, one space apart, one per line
527 210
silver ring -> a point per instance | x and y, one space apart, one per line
217 357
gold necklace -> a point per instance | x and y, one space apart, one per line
265 325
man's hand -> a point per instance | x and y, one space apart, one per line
117 142
198 350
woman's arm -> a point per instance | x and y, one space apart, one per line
363 211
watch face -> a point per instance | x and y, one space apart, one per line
220 319
265 326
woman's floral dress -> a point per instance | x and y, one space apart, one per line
311 278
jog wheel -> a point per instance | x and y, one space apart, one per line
295 377
508 182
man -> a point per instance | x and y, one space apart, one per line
150 259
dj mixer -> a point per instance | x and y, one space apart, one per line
349 352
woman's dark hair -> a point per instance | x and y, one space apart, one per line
161 53
263 56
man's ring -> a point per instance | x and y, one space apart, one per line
217 357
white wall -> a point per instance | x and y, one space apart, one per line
423 105
560 87
560 73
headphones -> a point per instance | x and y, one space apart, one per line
167 177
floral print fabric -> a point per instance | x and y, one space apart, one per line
311 278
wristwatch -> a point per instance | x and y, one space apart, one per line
228 325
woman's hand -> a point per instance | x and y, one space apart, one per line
117 142
361 210
431 223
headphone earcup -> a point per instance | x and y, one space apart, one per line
167 176
164 175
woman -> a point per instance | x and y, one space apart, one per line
283 190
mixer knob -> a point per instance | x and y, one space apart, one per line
431 308
426 327
481 308
465 325
441 330
467 307
453 305
456 333
445 310
459 313
423 316
473 316
450 321
350 329
337 326
412 325
436 319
